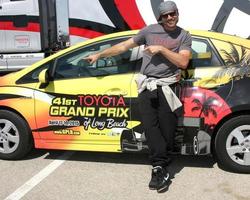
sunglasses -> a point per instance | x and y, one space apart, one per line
172 14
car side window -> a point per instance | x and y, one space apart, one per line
72 65
32 77
203 54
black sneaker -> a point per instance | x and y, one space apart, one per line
163 179
153 184
159 179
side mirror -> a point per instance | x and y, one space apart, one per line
43 78
200 60
204 55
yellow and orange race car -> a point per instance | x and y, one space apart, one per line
63 102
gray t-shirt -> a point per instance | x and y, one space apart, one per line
157 65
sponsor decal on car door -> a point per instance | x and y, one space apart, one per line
87 104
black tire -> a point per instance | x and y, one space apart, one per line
18 129
226 140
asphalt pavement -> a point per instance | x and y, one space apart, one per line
110 176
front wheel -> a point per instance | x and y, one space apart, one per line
232 144
15 136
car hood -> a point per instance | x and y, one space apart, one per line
8 80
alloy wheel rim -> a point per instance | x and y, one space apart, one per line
238 145
9 137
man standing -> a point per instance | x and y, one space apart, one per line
167 50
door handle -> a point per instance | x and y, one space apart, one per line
116 91
1 7
1 56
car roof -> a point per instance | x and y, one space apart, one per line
222 36
198 33
202 33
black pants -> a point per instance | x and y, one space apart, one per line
159 123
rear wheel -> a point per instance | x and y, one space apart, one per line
232 144
15 136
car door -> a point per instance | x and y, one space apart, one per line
204 89
89 104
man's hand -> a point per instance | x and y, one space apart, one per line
180 59
112 51
154 49
92 58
